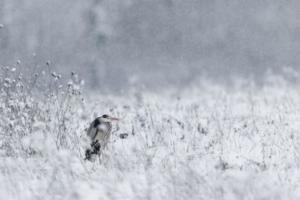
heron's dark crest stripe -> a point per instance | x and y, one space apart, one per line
96 123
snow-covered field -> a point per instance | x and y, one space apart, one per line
205 143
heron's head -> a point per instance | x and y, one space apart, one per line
107 118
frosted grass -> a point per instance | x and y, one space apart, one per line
204 143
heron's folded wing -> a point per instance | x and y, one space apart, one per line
92 132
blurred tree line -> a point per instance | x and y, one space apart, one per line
117 44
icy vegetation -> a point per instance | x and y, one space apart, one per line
205 143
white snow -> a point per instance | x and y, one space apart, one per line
211 144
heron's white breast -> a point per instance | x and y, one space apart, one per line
103 132
103 128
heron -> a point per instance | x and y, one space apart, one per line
99 133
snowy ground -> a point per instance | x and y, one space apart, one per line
200 144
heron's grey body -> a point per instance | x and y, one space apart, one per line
99 133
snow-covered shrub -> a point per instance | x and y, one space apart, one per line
36 109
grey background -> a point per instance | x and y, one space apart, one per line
152 43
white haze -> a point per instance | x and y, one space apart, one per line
119 44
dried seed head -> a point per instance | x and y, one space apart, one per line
123 135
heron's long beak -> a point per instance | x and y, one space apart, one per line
114 119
